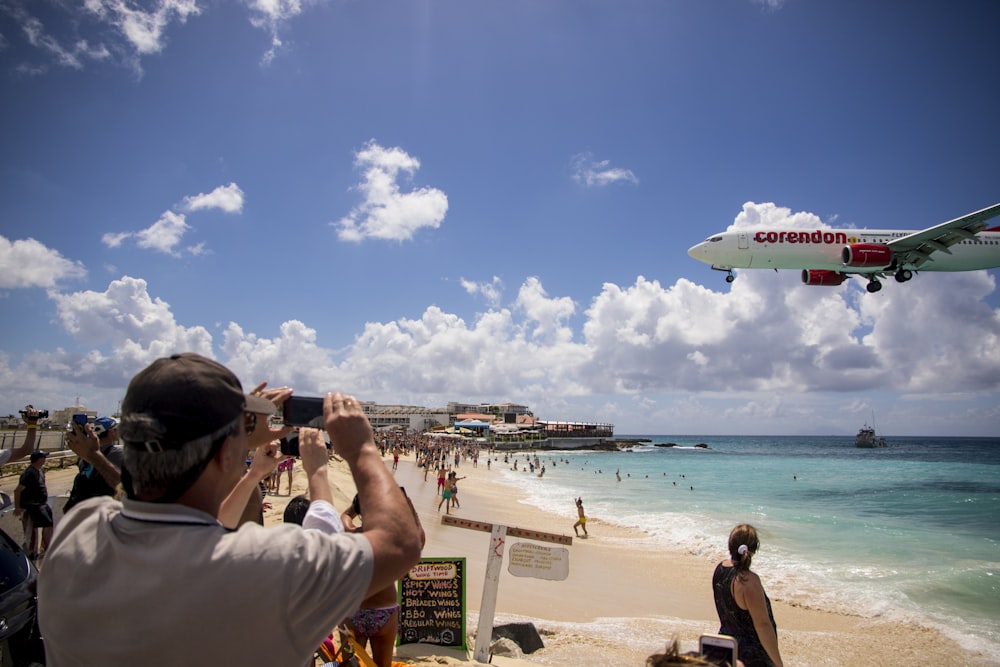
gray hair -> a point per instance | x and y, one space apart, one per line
153 473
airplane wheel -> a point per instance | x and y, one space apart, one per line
874 286
903 276
730 278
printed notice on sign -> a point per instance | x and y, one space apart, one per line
432 603
540 562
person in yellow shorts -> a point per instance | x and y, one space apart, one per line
582 521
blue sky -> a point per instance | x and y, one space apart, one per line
426 201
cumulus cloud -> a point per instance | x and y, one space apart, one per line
386 212
166 234
163 235
763 355
598 173
227 198
29 263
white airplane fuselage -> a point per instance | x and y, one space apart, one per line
822 249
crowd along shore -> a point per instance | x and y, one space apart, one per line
624 597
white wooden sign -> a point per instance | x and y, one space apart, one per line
540 562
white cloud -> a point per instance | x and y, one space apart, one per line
386 213
598 173
115 239
767 355
33 30
228 198
143 29
271 15
129 31
164 234
29 263
490 291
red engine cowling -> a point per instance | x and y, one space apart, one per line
818 277
868 255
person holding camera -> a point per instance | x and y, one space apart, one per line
30 416
251 596
99 461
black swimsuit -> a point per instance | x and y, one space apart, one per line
738 622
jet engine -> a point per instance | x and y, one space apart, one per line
819 277
867 255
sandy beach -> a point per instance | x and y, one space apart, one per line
624 598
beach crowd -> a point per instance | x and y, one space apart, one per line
177 486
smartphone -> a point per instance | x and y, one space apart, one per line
719 649
80 419
303 411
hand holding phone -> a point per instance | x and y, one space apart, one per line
80 422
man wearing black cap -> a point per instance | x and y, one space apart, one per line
157 580
99 460
31 503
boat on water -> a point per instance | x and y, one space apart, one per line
868 439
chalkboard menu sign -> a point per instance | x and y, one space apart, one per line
432 603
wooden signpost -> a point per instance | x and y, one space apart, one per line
494 561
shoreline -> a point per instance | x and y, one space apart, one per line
624 596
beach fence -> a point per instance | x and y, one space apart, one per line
526 561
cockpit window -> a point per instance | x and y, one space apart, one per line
714 239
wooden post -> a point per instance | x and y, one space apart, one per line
487 608
494 563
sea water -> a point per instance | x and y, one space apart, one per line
909 533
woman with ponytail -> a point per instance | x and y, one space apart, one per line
743 606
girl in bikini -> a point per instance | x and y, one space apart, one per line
377 621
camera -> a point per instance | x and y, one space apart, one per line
40 414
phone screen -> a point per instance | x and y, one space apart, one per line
303 411
80 419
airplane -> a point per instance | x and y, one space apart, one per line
829 256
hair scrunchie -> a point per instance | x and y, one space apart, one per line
742 550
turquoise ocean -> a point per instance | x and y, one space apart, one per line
909 533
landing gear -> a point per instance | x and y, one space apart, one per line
728 269
873 285
903 275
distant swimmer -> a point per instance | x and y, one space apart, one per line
618 475
582 521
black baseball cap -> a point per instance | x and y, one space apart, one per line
181 398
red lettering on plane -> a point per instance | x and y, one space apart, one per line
818 236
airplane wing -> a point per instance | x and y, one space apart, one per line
917 249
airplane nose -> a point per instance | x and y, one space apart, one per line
696 250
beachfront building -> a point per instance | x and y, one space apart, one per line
410 417
503 424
